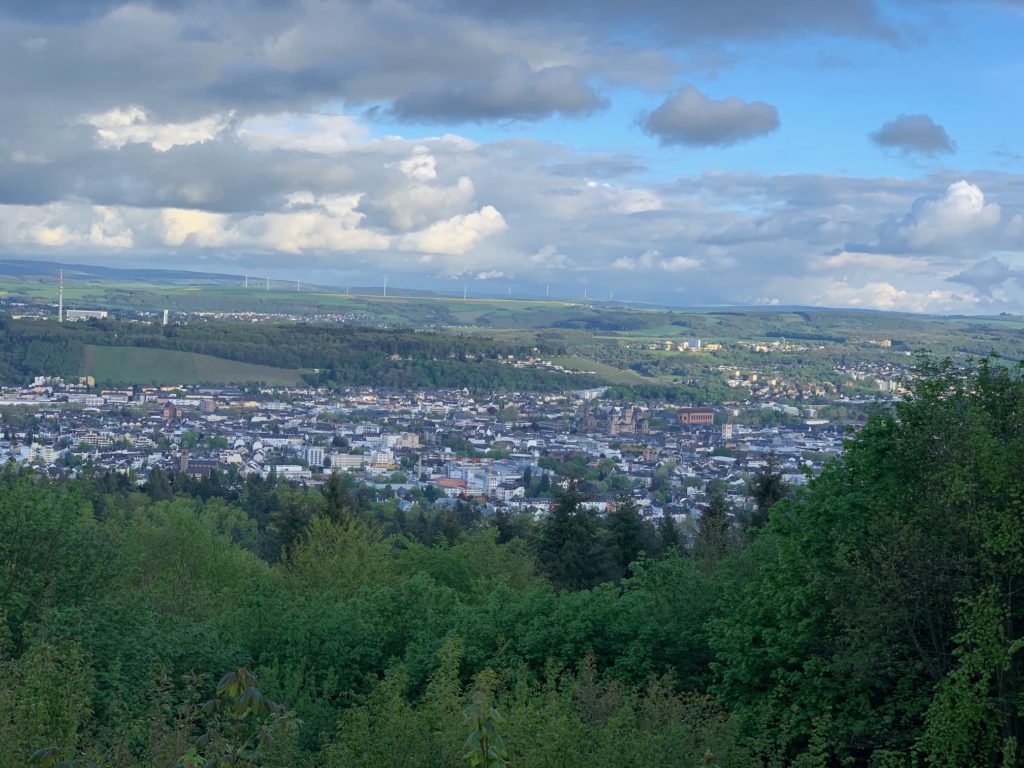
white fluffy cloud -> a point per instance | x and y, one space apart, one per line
871 262
416 205
457 235
633 200
940 223
64 225
548 257
108 229
653 260
117 127
884 295
312 224
420 165
197 228
419 198
313 132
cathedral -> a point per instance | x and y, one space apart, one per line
611 420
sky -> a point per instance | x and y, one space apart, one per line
843 153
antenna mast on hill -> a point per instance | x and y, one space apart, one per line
60 298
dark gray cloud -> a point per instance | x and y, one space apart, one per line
255 57
611 166
57 11
986 274
254 85
681 21
73 11
688 20
182 59
690 118
912 134
515 92
224 176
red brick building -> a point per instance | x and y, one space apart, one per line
696 416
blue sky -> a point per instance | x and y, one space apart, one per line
853 153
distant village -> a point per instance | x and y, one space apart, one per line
440 447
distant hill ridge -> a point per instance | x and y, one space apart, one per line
28 268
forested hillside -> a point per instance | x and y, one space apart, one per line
33 349
342 356
873 619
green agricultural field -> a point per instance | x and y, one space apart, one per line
143 365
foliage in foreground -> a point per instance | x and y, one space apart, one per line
874 619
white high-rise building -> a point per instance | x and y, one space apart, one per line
314 455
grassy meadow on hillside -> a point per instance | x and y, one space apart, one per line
140 365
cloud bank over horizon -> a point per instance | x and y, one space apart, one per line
686 154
